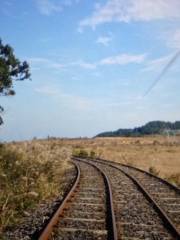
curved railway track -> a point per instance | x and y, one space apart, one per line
87 211
166 195
138 214
139 205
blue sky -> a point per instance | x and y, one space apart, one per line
91 63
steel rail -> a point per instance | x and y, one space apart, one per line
143 171
55 218
167 221
110 217
154 176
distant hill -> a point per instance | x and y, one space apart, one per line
154 127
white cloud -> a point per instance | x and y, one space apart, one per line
65 99
39 62
173 39
123 59
85 65
56 65
47 90
47 7
76 102
104 40
156 64
132 10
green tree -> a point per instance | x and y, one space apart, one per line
11 69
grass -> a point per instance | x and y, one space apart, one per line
174 179
30 172
159 154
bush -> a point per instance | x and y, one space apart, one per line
75 152
80 153
92 154
153 171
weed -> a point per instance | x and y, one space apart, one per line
29 173
153 171
174 179
80 153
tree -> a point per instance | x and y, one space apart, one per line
11 69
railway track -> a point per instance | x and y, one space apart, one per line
135 207
138 213
87 211
166 195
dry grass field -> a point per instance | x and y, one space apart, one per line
32 171
159 152
156 153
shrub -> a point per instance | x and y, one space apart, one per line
80 153
92 154
75 152
83 153
153 171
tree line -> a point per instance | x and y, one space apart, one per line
154 127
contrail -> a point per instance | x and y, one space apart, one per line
166 68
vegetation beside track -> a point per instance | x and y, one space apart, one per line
30 172
157 154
